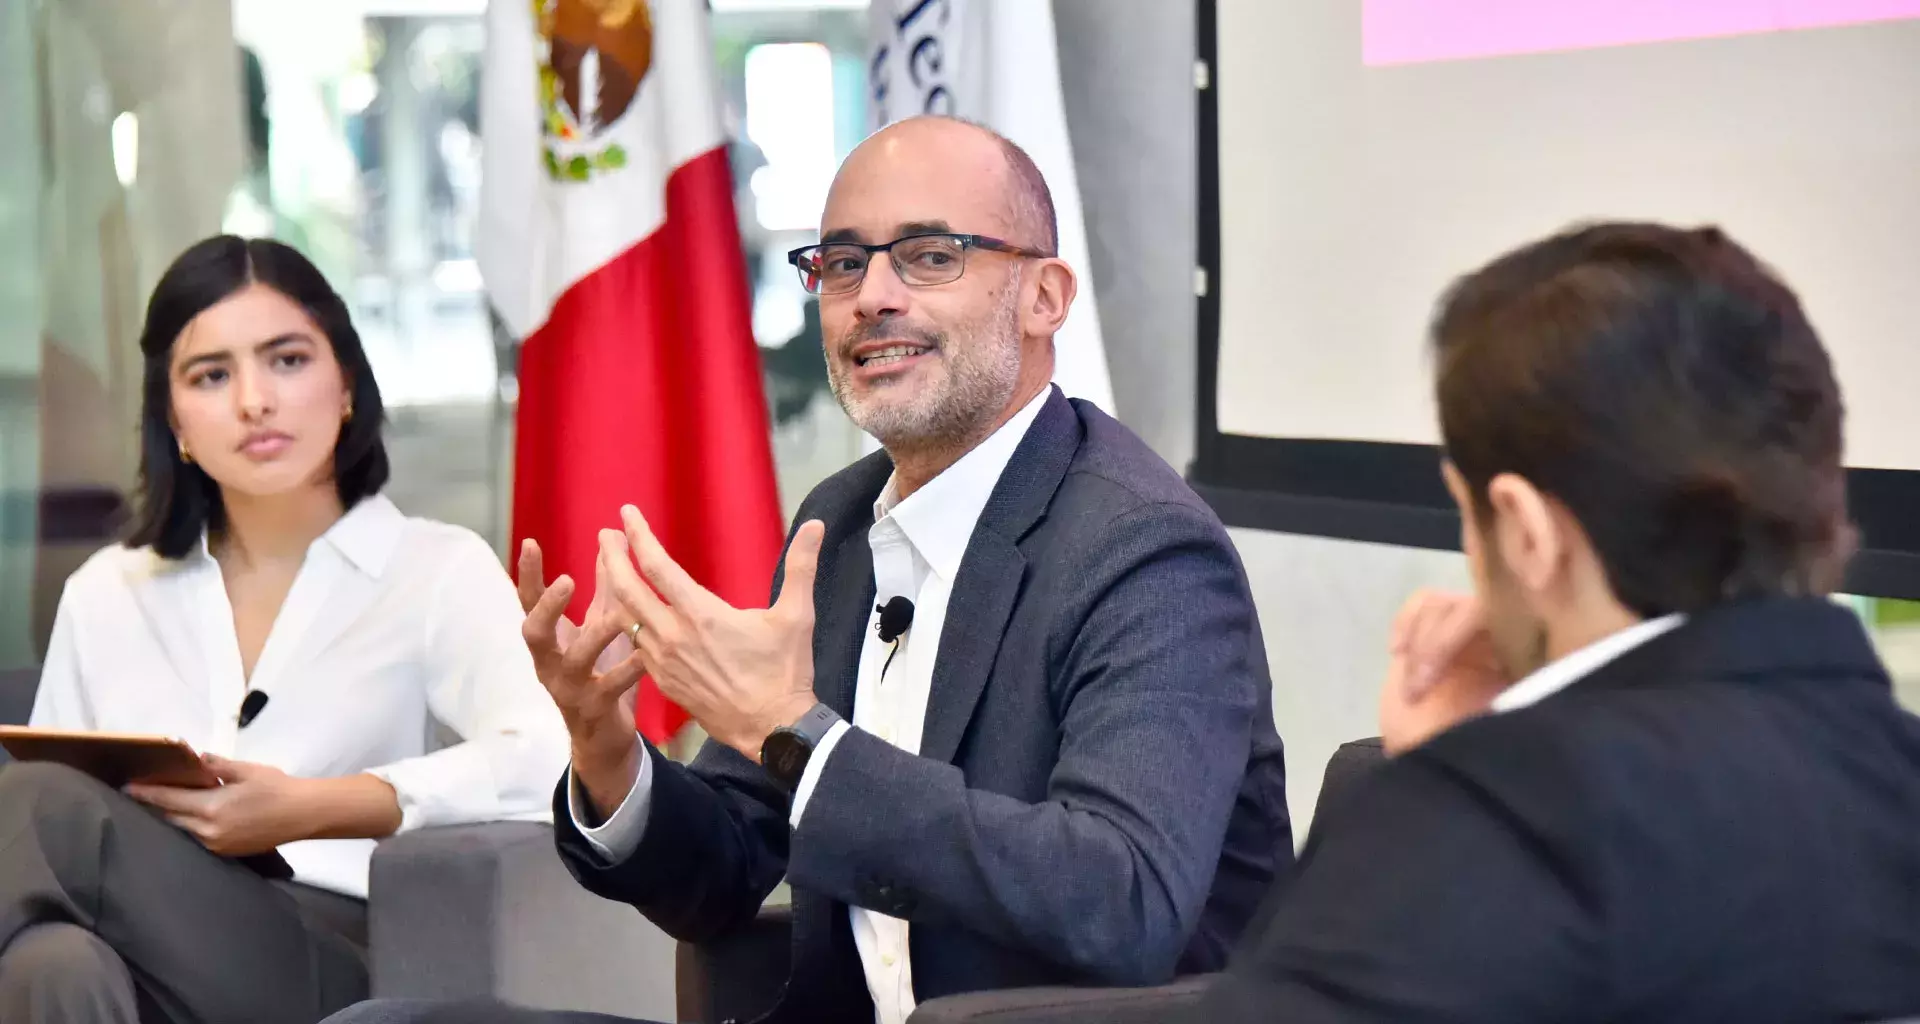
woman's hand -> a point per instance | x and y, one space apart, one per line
259 807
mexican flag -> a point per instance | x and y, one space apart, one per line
608 245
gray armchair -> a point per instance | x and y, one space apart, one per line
472 910
487 910
740 977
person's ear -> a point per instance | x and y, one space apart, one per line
1531 534
1050 287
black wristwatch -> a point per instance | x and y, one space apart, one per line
786 751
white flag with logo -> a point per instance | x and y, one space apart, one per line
993 62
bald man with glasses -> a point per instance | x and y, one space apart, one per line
1007 720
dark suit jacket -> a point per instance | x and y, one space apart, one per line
1722 825
1099 795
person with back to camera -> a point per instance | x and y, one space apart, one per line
263 571
1647 771
1007 721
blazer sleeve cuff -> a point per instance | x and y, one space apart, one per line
852 814
616 838
816 764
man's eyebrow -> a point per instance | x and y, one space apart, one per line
912 227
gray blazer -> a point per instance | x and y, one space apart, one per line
1099 796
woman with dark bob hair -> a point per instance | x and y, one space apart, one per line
271 608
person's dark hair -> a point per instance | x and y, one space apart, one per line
177 500
1665 387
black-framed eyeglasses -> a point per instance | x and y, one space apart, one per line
920 260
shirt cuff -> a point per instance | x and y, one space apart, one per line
811 777
407 786
616 838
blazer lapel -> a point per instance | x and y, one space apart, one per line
841 597
988 584
977 612
843 582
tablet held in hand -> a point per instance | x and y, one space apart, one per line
114 758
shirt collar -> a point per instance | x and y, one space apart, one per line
939 518
366 536
1557 675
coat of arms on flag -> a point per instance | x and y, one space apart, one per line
597 54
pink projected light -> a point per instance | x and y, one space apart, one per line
1412 31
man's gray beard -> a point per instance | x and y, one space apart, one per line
982 370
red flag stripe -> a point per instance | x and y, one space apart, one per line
644 387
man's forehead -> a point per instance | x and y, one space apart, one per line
881 215
916 178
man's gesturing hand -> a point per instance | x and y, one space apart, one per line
741 673
589 670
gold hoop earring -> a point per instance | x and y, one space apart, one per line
185 456
347 417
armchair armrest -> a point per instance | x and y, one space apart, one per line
739 977
489 910
1062 1005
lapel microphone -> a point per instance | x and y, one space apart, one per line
251 706
895 616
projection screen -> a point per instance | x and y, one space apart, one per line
1357 155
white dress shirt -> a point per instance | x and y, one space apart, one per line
396 632
1569 669
918 542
